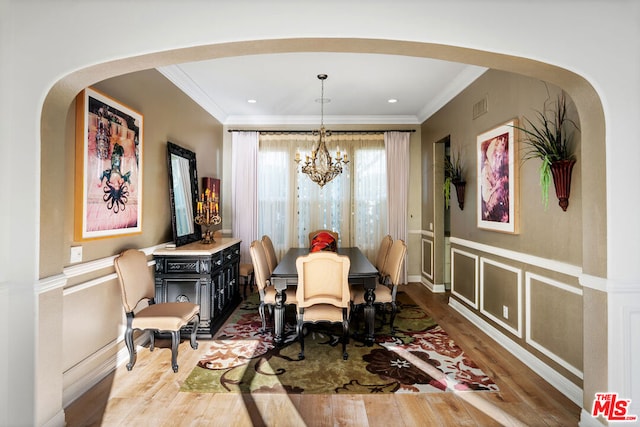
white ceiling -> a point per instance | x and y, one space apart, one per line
286 88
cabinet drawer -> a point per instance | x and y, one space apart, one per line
231 254
175 265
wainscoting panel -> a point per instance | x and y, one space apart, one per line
501 294
550 303
464 276
427 258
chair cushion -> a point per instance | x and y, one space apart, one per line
169 316
383 294
246 269
270 296
323 312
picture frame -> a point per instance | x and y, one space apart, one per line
497 178
109 160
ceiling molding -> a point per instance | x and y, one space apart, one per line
315 120
450 91
179 78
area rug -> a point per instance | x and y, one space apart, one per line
420 357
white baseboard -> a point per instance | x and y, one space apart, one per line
587 420
58 420
435 288
93 375
562 384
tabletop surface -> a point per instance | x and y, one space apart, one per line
360 265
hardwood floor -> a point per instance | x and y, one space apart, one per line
149 395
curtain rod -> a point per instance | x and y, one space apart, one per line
312 131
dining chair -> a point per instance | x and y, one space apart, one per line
385 292
383 252
271 253
137 286
245 272
323 293
262 275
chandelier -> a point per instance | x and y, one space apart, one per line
320 167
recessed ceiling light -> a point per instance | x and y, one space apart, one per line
251 101
392 101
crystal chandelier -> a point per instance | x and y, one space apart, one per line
320 167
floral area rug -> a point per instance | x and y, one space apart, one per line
420 357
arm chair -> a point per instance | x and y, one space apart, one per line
323 293
136 286
385 292
271 253
263 276
383 252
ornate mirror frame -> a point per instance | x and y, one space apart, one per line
184 200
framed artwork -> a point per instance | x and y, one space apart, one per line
498 179
108 197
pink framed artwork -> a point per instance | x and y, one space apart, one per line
498 179
109 143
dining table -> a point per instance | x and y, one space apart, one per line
361 272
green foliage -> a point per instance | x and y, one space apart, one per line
453 172
549 141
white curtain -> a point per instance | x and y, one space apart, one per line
353 203
398 154
244 189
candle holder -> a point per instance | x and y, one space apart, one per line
208 215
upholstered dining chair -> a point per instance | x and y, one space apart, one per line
383 252
263 276
137 287
271 253
323 293
247 276
385 292
334 234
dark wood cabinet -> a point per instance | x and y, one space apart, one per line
204 274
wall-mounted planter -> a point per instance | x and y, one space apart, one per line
460 186
561 171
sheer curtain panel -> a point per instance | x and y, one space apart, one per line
353 203
397 149
244 149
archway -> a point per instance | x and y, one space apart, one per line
56 107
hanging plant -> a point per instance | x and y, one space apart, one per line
551 141
453 174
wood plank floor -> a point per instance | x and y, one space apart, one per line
149 395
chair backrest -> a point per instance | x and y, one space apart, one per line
334 234
383 252
395 259
323 278
135 277
260 264
271 252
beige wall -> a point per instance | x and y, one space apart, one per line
90 327
533 273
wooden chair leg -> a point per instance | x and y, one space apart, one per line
128 340
264 323
175 340
152 340
194 332
345 337
300 337
394 309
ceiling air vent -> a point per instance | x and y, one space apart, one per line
480 107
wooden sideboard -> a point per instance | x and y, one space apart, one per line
204 274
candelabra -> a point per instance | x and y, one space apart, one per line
208 215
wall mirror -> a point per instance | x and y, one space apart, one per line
183 192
